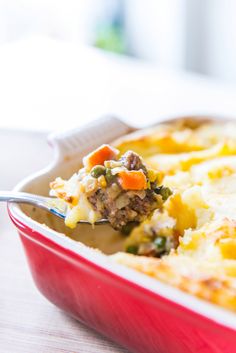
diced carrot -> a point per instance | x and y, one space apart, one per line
132 180
99 156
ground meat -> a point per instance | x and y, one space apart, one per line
142 206
132 161
121 207
135 211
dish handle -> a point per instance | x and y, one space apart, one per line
82 140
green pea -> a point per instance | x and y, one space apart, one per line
160 242
163 191
127 229
97 171
132 249
109 176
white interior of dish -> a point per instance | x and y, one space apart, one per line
70 147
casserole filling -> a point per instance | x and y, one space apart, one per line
122 190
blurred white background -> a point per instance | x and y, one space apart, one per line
196 35
49 74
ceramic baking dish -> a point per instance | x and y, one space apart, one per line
132 309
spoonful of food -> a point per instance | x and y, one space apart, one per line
108 189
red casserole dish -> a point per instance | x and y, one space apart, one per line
134 310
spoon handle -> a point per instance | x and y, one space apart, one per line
46 203
22 197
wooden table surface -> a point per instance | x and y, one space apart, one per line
28 322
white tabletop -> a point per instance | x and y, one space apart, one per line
47 84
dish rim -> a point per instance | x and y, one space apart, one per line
199 306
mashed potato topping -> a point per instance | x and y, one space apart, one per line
171 190
197 161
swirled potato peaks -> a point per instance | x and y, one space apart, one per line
190 241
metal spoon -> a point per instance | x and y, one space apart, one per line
50 204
